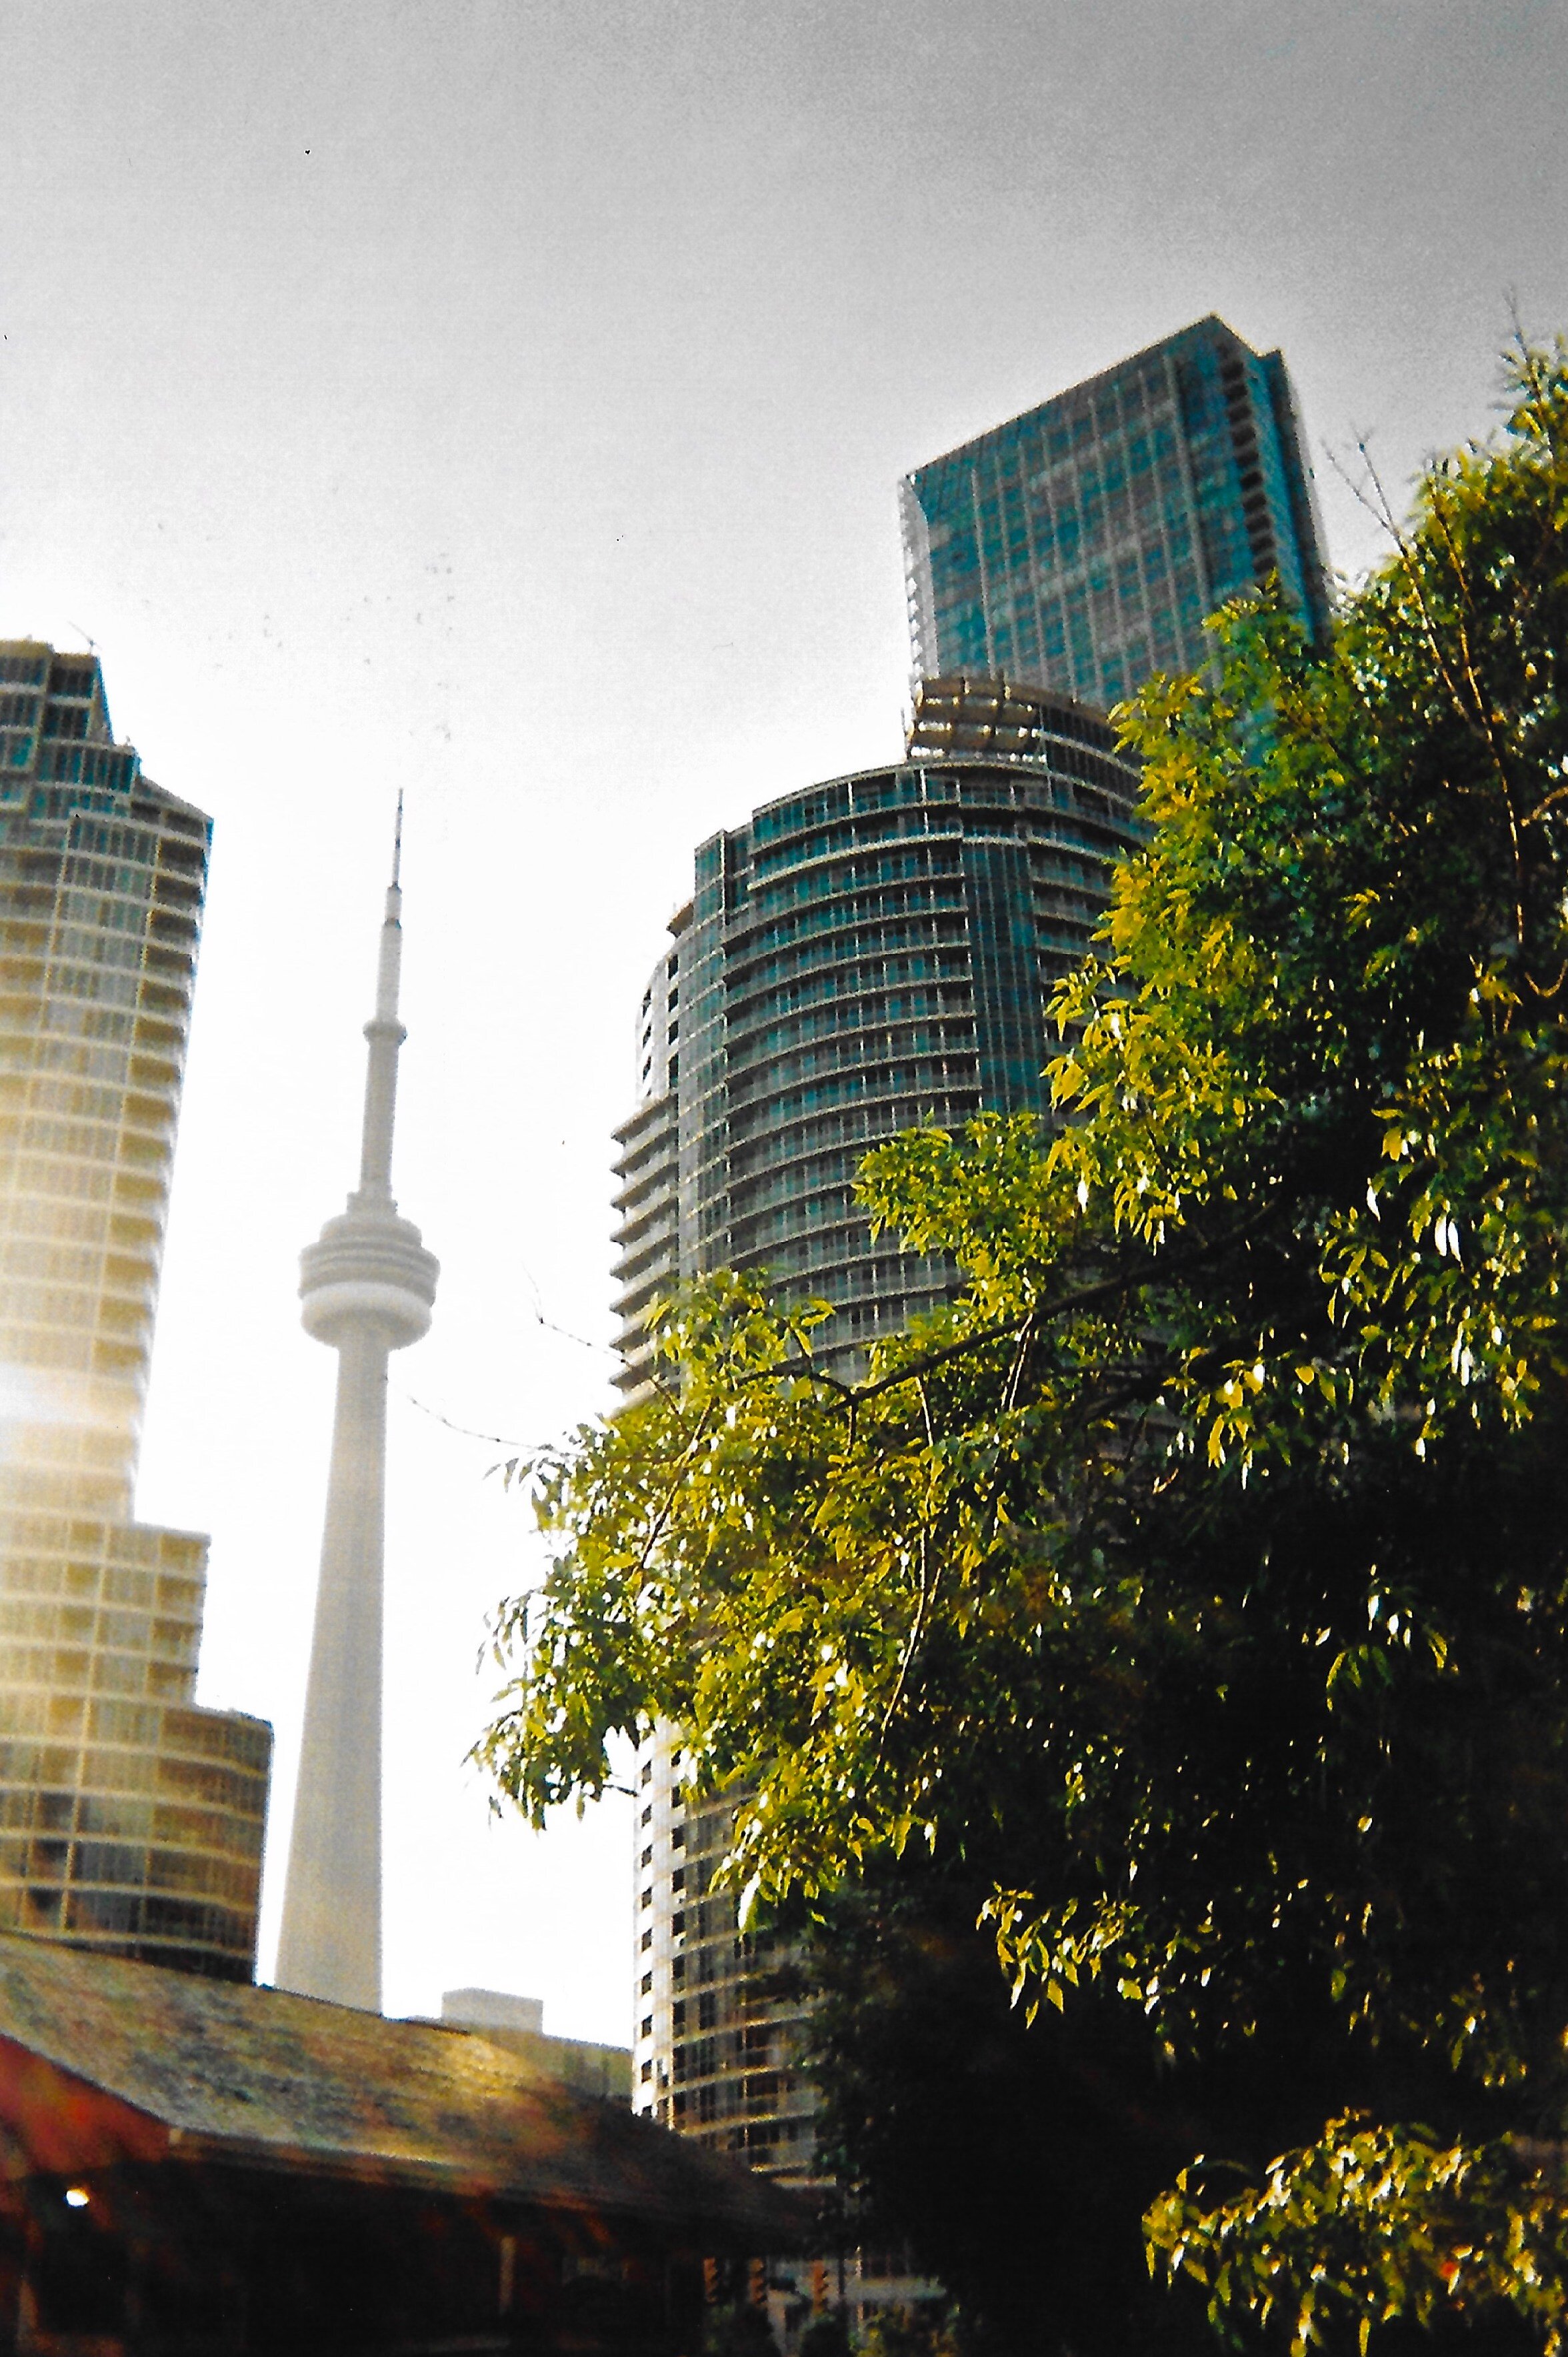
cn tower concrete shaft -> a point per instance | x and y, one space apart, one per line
366 1288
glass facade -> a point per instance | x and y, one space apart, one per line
876 954
867 955
130 1819
1082 544
717 2020
647 1169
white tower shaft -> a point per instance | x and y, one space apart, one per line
331 1942
366 1288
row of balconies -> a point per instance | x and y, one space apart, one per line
650 1168
917 1084
631 1307
223 1935
123 1816
84 1670
802 1139
123 1866
654 1199
68 1294
99 1627
635 1132
653 1240
34 1336
763 1081
724 2053
778 1021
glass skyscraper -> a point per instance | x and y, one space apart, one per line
861 958
1082 544
876 952
869 954
131 1820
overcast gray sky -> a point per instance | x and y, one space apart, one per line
505 401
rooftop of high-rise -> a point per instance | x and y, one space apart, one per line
1082 542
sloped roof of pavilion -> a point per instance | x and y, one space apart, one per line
225 2071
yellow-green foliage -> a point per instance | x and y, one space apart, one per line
1202 1570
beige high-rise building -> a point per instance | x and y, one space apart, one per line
131 1820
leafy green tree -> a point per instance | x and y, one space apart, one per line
825 2336
1199 1582
1015 2159
741 2329
927 2333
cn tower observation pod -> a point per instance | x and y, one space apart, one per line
368 1270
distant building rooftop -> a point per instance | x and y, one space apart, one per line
994 717
1082 543
483 2009
517 2023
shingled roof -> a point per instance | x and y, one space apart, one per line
233 2073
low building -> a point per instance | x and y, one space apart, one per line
518 2024
197 2166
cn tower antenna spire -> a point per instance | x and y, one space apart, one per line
386 1036
366 1288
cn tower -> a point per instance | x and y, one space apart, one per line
367 1289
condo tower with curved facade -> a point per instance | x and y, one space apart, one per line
131 1820
869 954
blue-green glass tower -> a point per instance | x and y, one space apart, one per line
1082 544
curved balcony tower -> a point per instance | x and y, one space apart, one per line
366 1288
131 1817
